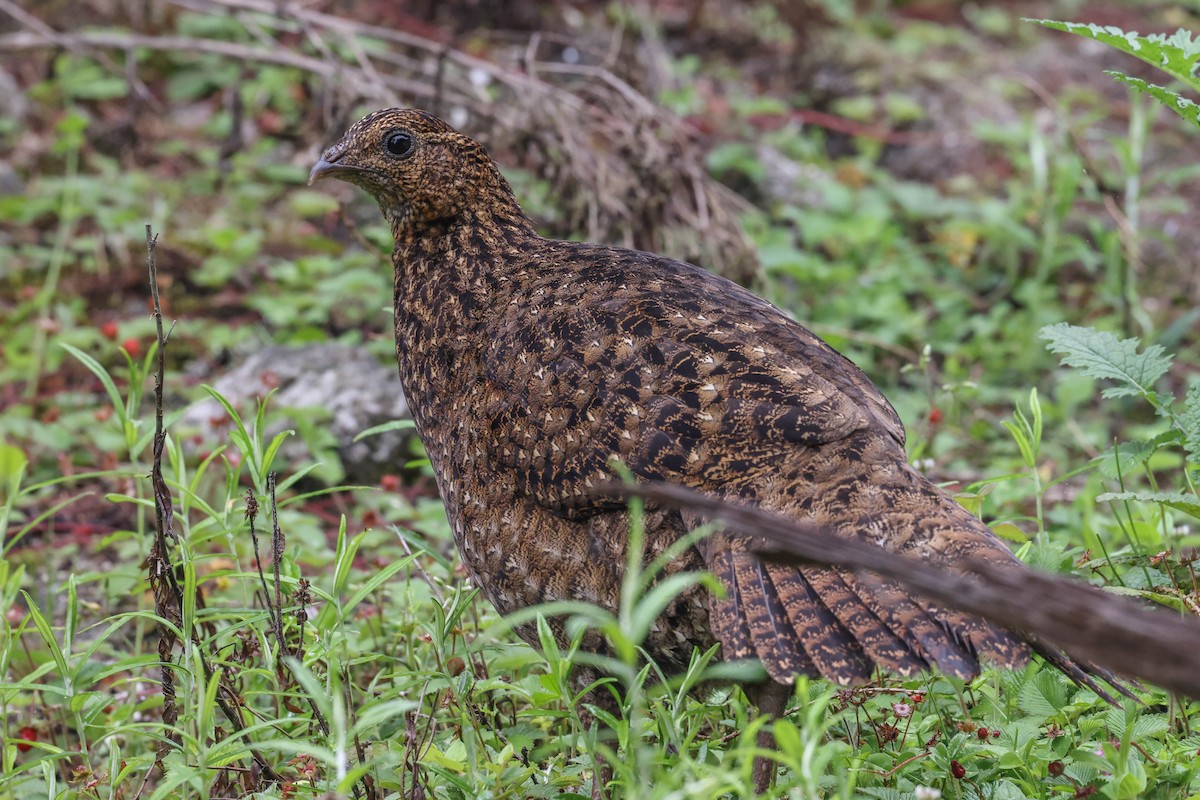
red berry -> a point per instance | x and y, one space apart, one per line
132 346
109 331
390 483
935 415
29 734
1055 768
958 770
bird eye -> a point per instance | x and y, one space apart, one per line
399 144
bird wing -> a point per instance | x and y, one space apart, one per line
676 373
685 377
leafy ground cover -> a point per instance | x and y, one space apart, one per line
941 191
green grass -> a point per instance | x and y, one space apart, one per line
391 677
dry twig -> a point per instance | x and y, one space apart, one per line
626 171
168 595
1091 626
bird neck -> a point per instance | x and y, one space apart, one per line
463 253
451 277
478 200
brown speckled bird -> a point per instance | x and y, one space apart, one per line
531 364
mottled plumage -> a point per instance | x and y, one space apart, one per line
530 364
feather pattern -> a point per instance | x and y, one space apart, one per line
532 366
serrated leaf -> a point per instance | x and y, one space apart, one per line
1007 790
1100 354
1177 55
1043 696
1189 422
1149 726
1185 108
1167 600
1187 503
879 792
1126 457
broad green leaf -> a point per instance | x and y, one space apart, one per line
1177 55
1151 726
1043 696
1185 108
1100 354
1168 600
1187 503
12 469
1189 422
1125 457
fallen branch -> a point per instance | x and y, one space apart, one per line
630 172
1091 626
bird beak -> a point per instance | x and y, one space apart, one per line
330 164
322 169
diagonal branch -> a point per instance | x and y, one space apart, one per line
1091 626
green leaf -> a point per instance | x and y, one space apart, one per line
1177 55
307 203
1125 457
47 633
102 375
649 607
1187 503
1169 601
1100 354
1179 104
394 425
1188 421
1148 726
12 469
1043 696
373 583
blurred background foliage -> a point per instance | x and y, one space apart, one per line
926 184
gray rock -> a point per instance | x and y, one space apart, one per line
328 393
13 102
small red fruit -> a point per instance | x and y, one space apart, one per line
132 346
29 734
390 483
958 770
109 331
935 415
1055 768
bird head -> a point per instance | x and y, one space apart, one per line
418 168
